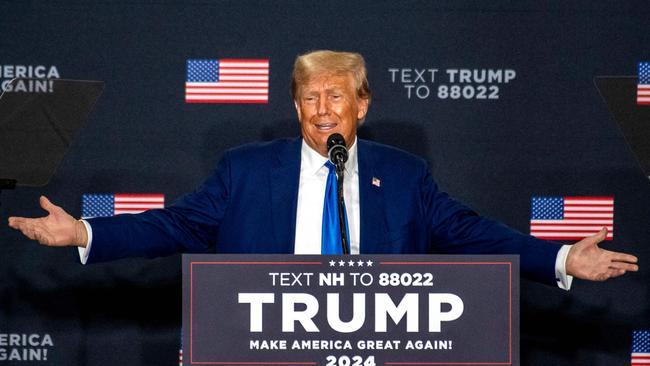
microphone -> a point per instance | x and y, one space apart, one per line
336 150
338 155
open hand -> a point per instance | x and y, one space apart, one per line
56 229
589 262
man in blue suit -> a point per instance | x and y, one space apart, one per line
268 198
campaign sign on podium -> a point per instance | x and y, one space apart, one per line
360 310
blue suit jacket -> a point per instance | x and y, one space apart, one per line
248 205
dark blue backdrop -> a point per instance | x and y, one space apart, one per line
548 133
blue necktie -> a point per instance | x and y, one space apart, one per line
331 238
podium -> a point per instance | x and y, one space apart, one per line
350 310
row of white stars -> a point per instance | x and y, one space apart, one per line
351 263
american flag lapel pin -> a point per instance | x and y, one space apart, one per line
376 182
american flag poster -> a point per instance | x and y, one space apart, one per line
641 348
643 88
103 205
227 81
571 218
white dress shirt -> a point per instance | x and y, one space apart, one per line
309 212
311 197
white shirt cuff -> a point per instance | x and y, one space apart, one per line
563 279
85 252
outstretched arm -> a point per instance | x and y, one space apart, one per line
587 261
57 229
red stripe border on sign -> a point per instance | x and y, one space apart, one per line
509 264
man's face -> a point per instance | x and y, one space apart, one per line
328 104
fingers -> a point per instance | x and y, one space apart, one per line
624 266
15 222
609 273
612 273
616 269
593 240
47 205
27 228
623 260
602 235
622 257
32 228
619 265
20 222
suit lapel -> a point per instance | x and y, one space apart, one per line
371 200
285 177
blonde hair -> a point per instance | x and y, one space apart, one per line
330 62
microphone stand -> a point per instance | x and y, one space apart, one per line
340 168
